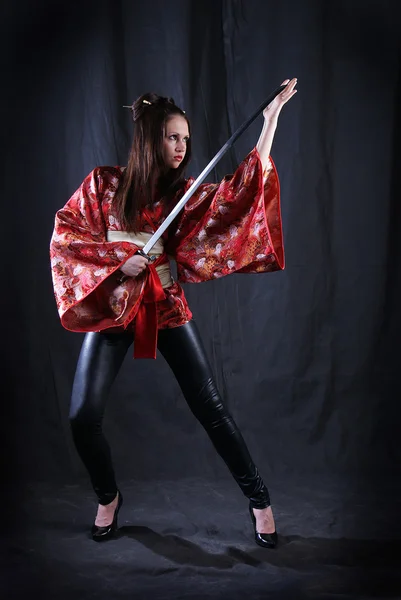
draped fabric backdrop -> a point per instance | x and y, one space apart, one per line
308 359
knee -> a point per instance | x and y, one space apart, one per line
78 421
83 418
208 404
84 429
75 417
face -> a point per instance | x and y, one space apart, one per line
175 140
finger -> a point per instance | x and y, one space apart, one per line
288 92
290 83
290 86
289 96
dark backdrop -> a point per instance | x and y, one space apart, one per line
308 358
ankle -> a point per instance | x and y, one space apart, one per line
108 499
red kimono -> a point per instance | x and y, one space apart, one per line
230 227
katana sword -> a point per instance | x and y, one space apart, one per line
188 194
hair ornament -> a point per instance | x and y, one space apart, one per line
146 102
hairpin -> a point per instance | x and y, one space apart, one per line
143 102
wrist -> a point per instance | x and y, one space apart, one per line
271 118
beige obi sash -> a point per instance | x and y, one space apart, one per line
140 239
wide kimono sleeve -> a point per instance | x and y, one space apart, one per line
85 265
231 227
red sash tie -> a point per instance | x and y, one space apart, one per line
146 329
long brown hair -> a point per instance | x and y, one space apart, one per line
146 179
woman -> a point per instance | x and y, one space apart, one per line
105 288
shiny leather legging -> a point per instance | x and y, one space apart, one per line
100 360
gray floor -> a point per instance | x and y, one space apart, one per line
193 539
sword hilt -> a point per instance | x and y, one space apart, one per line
149 258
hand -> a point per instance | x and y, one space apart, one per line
273 110
134 265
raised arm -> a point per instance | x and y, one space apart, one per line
271 114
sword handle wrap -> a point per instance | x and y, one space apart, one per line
149 258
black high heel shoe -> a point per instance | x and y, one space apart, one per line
99 534
265 540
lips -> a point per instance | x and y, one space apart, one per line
178 157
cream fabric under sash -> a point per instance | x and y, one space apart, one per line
140 239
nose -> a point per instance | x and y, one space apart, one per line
180 146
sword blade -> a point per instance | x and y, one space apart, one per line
189 193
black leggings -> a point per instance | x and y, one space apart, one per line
100 360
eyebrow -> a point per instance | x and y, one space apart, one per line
176 133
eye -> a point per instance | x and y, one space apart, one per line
173 137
